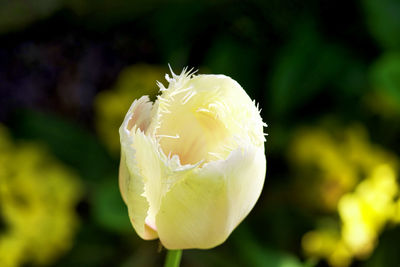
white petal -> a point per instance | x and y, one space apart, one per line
197 118
139 111
152 169
201 210
132 188
138 115
131 179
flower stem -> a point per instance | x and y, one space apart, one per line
173 258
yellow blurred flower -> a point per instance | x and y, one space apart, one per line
326 243
332 163
365 212
363 196
38 196
111 105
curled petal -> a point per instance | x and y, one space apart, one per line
132 187
201 210
131 179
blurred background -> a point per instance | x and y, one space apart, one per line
325 73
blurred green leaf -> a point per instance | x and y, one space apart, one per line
306 66
255 255
383 18
67 141
100 15
387 253
235 59
176 26
17 14
385 76
217 257
109 209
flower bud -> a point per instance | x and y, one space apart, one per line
192 163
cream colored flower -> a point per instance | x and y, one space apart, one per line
192 163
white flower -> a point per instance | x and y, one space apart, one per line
193 163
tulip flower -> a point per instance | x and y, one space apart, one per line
192 163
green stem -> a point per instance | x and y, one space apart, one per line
173 258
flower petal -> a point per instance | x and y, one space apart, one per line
131 179
139 112
201 210
132 188
153 170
